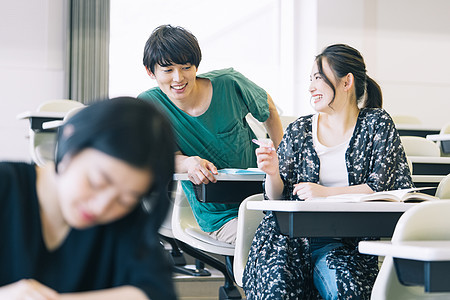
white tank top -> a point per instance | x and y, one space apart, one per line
333 170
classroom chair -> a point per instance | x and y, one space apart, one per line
42 143
419 146
176 255
445 129
405 119
444 147
427 221
286 120
410 165
248 222
443 189
193 241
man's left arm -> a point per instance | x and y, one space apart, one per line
273 123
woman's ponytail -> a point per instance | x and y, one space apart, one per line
343 60
374 97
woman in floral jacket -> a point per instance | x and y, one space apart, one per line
341 149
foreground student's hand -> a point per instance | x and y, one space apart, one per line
200 170
27 289
267 159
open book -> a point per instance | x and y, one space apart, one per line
404 195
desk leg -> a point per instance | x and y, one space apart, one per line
291 225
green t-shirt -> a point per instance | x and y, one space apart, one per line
221 135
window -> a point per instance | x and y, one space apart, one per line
249 36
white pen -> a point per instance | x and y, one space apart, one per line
259 143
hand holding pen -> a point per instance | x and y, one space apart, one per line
266 157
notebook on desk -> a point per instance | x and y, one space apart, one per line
249 171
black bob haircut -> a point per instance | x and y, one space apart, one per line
168 45
130 130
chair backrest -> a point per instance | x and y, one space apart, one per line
405 119
42 144
42 147
166 226
185 228
62 105
443 189
426 221
73 111
286 120
419 146
248 222
444 147
410 164
445 129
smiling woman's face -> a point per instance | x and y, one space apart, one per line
321 93
95 188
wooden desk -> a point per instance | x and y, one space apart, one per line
425 263
334 219
426 165
416 129
38 118
229 188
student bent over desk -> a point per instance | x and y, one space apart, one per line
86 227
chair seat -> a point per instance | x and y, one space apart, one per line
185 228
204 237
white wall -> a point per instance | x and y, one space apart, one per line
233 33
31 66
406 45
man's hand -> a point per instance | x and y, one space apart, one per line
200 170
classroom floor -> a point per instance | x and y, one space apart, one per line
199 287
204 287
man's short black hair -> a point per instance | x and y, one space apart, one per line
168 45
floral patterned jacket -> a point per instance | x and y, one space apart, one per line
278 266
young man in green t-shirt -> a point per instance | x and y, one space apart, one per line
208 114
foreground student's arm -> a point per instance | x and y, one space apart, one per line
199 170
30 289
118 293
273 123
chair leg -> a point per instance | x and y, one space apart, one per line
179 262
228 290
177 256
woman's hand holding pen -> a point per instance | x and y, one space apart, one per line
27 289
267 158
